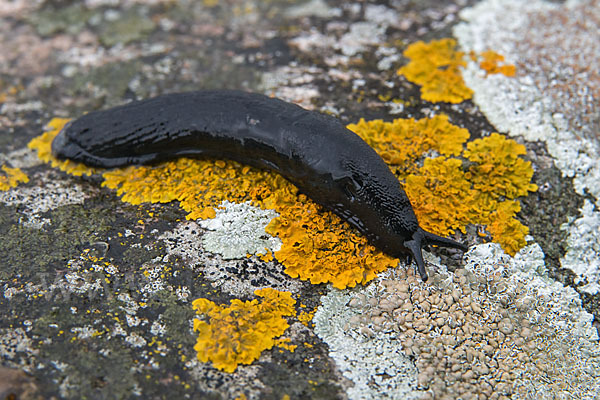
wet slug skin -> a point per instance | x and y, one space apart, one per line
326 161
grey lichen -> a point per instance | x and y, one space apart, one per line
499 328
238 230
373 361
32 201
550 98
237 276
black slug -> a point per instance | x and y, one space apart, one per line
326 161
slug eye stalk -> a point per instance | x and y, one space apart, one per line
431 238
415 247
421 237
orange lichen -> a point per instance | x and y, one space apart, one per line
506 229
11 177
498 170
238 334
401 142
284 343
305 317
435 66
267 256
441 196
319 247
444 196
8 92
493 63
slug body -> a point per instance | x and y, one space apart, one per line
326 161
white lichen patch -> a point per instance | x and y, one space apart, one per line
54 193
13 341
158 329
21 158
359 37
584 248
83 276
135 340
498 328
237 277
211 380
350 39
315 8
553 97
312 39
388 56
373 362
84 332
10 108
154 281
293 83
238 230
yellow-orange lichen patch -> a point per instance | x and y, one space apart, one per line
238 334
441 196
444 196
402 141
493 63
435 66
497 168
200 185
284 343
11 177
9 91
42 144
319 247
506 229
306 317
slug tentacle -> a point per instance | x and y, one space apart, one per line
415 247
432 238
325 160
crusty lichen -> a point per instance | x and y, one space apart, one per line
493 63
238 334
402 141
435 66
496 329
444 196
11 177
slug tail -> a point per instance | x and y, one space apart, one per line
431 238
414 245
